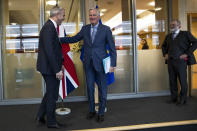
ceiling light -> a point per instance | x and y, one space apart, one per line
103 10
51 2
13 23
158 8
139 11
152 3
101 13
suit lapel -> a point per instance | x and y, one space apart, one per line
55 30
89 35
179 34
171 37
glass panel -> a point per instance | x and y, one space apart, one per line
72 25
116 14
151 31
19 49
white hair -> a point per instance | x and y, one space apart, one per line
97 10
55 10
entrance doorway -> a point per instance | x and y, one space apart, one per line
192 26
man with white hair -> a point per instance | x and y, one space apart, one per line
96 37
178 48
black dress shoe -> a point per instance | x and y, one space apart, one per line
100 118
90 115
182 102
57 126
40 121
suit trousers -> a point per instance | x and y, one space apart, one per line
101 79
48 104
177 68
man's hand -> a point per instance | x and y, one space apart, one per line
183 56
111 69
166 57
59 75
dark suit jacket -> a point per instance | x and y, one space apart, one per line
49 51
186 43
97 50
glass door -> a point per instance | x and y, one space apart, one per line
20 22
151 30
116 15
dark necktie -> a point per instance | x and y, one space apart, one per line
57 29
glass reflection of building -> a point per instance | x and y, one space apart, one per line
22 38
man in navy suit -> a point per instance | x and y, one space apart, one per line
178 49
96 36
49 64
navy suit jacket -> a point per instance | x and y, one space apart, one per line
97 50
49 60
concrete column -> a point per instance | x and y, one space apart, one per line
125 10
182 13
175 13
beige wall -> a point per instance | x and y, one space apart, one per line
182 13
181 8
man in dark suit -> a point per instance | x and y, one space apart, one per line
178 48
49 64
96 36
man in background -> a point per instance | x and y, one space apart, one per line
178 48
49 64
96 36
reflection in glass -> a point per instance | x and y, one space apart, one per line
12 44
151 31
20 44
71 27
22 38
30 44
116 15
30 30
13 30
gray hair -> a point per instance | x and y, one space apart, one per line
55 10
178 21
97 11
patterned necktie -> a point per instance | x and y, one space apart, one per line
93 33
